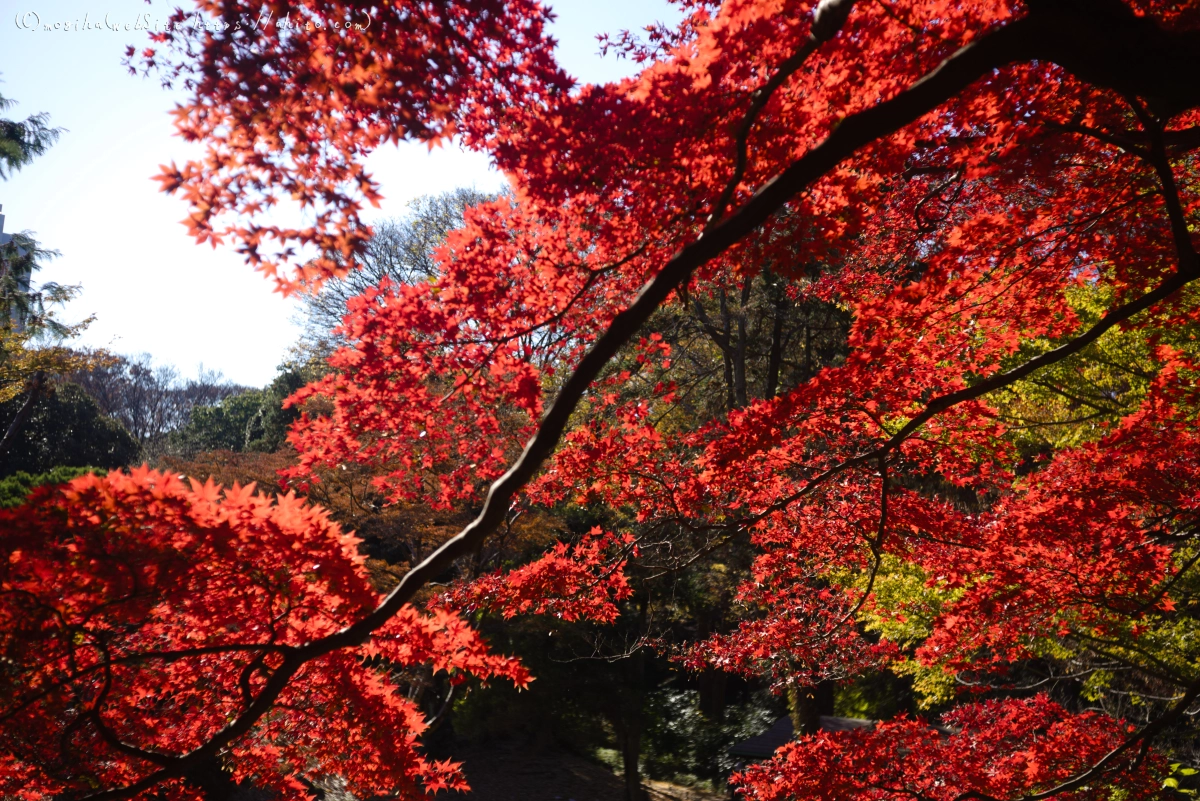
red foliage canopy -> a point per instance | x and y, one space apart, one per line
956 168
141 614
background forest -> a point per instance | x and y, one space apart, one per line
913 444
615 693
601 691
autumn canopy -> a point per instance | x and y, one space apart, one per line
1001 467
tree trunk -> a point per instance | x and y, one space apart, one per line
808 359
210 777
631 750
712 693
728 354
35 391
631 713
740 393
775 357
806 705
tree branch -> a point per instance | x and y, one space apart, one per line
1039 35
1143 735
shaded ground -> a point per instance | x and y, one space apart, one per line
664 791
507 772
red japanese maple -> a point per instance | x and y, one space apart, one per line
957 169
141 615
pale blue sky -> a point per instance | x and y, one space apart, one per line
92 197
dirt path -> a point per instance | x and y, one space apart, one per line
503 772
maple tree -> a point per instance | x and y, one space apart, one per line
996 194
102 638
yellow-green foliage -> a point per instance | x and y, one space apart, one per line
1070 402
21 357
906 604
1163 642
1095 685
1168 646
933 685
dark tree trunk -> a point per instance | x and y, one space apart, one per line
740 394
808 359
728 354
631 718
35 390
631 750
216 783
775 355
712 693
723 340
806 706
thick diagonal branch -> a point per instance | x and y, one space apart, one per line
1040 35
